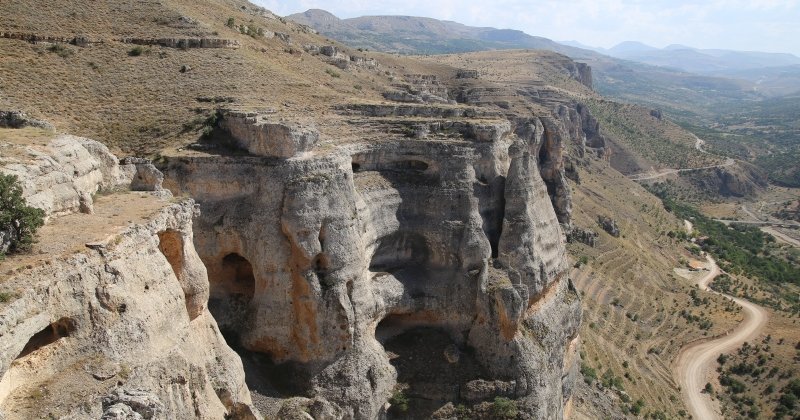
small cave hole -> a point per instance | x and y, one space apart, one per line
64 327
410 165
321 265
170 243
356 167
400 250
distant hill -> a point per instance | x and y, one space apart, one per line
419 35
655 86
703 61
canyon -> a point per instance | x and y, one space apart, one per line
290 265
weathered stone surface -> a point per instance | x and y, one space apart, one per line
18 119
133 305
121 403
260 136
367 242
62 177
184 43
609 225
130 309
145 176
585 236
481 390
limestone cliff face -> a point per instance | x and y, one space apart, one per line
324 261
62 176
126 320
117 328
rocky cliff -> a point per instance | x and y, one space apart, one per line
108 317
330 261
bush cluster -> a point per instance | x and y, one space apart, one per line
17 219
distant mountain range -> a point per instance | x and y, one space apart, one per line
679 66
695 60
420 35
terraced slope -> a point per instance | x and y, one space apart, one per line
633 300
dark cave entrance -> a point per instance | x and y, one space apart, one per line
400 250
233 285
64 327
432 369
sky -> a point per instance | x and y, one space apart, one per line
745 25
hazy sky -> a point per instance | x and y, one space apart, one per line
756 25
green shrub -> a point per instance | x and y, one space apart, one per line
61 50
16 217
137 51
333 73
504 408
399 401
589 374
231 22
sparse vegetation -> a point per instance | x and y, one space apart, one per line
17 220
138 50
504 408
333 73
61 50
399 401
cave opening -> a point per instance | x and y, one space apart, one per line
432 368
398 251
233 283
232 288
544 161
493 214
50 334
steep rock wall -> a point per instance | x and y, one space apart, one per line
121 328
321 261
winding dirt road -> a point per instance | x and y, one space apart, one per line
653 174
696 361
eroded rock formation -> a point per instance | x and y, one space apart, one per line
325 261
118 326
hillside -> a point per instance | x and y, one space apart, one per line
699 102
142 98
315 216
419 35
372 235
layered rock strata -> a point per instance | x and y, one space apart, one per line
321 261
62 177
117 327
128 316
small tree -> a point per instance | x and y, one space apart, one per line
16 217
230 23
709 389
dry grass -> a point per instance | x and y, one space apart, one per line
144 103
631 297
13 142
69 234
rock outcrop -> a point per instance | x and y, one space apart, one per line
328 263
130 312
18 119
258 135
63 176
609 225
118 328
183 43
